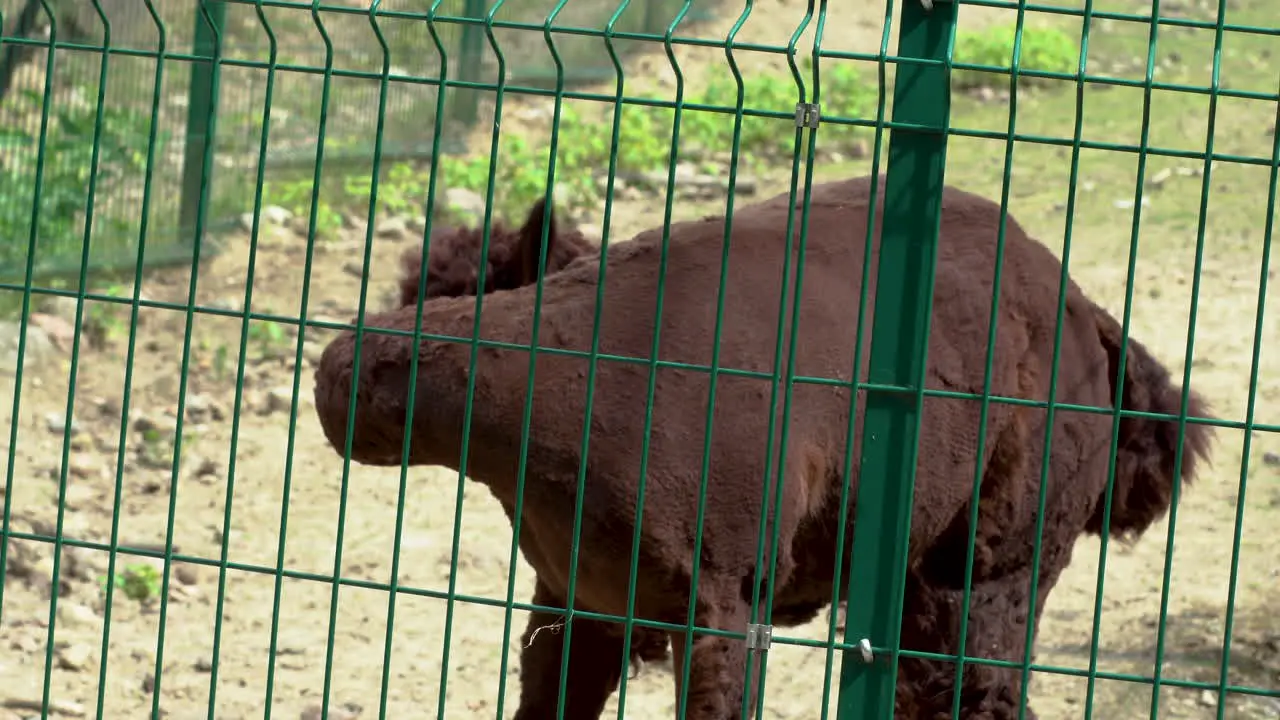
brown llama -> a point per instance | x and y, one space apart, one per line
452 271
1001 606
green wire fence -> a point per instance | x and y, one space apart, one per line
146 133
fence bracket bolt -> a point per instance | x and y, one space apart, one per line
759 637
864 647
808 115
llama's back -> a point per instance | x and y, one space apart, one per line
748 337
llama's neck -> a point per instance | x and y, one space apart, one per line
440 392
496 400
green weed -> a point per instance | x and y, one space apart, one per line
107 322
140 582
296 197
268 339
221 362
156 449
1043 49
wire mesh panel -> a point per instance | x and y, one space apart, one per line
639 359
518 30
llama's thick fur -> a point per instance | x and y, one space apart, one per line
513 256
1001 606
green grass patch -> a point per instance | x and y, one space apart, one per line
707 139
1042 49
584 151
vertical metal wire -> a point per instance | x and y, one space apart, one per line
311 239
1056 363
846 472
287 483
549 201
611 184
993 322
1118 399
197 241
1264 276
238 401
464 452
24 319
429 211
789 381
513 553
69 410
127 391
1166 579
652 365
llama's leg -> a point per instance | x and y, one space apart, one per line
595 664
999 611
716 672
648 644
677 665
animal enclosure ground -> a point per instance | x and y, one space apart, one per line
215 511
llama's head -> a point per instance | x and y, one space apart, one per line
454 264
454 268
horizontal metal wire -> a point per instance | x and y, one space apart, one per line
777 638
630 359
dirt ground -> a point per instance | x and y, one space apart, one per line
263 492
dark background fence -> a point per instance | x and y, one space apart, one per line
178 95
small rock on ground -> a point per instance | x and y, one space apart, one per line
279 399
393 228
66 708
76 657
56 423
316 712
39 346
76 616
354 268
464 202
58 329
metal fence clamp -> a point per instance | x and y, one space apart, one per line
759 637
808 115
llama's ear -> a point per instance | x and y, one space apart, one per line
531 239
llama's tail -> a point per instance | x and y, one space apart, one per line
1147 448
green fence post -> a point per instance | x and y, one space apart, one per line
466 100
899 343
200 99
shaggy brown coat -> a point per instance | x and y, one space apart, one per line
1001 605
452 271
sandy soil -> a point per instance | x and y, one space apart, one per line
265 493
